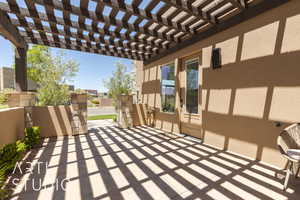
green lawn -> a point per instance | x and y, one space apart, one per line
99 117
2 106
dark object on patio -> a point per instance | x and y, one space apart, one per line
216 58
289 145
277 124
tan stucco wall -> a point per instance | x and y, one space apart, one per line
257 85
11 125
53 120
105 102
139 115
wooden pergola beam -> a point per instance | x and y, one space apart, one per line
240 4
100 39
145 14
106 50
10 32
21 68
61 45
70 9
54 20
186 6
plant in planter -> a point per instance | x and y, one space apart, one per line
32 137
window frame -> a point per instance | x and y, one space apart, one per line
196 59
160 66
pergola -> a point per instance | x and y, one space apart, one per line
136 29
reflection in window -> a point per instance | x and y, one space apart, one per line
192 86
168 88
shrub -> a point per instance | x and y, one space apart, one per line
10 154
115 118
95 101
32 136
4 194
4 95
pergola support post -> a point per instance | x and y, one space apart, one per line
21 69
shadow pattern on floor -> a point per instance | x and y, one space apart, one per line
144 163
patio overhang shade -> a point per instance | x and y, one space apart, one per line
141 30
136 29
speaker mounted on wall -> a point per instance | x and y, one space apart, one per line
216 58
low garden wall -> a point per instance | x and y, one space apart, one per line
11 125
53 120
105 102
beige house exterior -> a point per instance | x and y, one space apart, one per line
241 103
7 79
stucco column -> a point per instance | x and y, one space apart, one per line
79 113
21 69
125 111
177 94
26 100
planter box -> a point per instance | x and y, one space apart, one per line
21 99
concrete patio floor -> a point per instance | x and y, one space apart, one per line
145 163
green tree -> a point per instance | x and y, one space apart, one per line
120 83
38 58
51 73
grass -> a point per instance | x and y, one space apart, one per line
2 106
100 117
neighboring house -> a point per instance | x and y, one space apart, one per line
103 94
7 79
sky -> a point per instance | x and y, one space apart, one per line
93 68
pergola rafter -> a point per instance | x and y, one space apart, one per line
135 29
52 20
9 31
60 43
186 6
240 4
143 14
107 20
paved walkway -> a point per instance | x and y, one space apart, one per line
144 163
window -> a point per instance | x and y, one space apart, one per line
168 88
192 86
